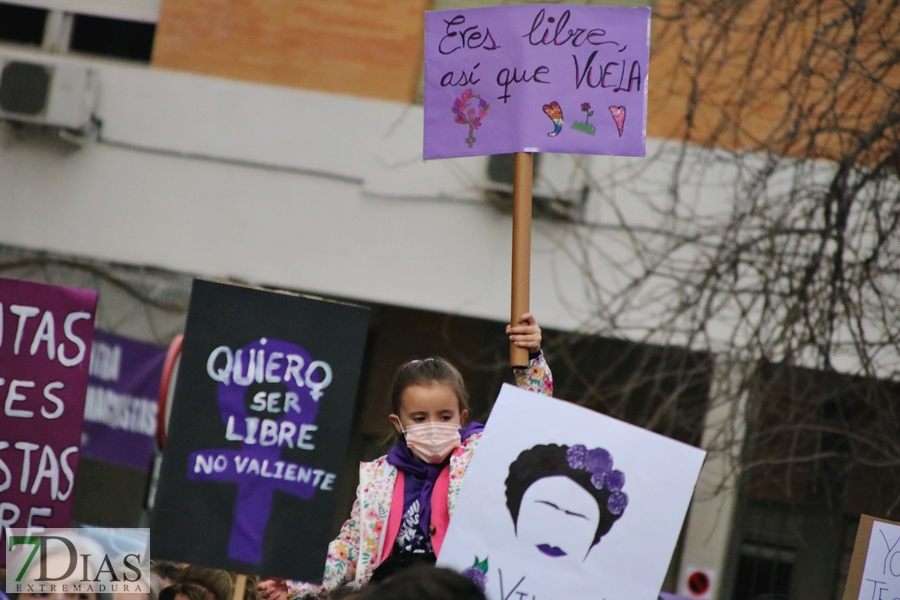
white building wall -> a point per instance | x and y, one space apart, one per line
289 188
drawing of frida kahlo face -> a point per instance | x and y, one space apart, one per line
563 500
558 517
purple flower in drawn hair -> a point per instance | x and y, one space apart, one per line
617 502
576 455
615 480
598 461
478 573
479 578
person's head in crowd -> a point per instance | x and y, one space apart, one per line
562 500
155 584
343 593
186 591
403 561
424 583
219 583
167 571
151 585
251 588
429 403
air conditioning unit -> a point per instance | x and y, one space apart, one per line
559 190
45 93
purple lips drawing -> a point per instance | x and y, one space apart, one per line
551 550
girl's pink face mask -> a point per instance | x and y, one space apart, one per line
432 442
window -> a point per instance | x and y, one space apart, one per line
763 569
69 30
22 24
131 40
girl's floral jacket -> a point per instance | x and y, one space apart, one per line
359 547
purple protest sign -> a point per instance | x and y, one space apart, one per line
259 425
120 413
45 343
536 78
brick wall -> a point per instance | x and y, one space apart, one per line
370 48
753 90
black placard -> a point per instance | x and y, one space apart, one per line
260 419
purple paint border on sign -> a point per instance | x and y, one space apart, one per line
585 59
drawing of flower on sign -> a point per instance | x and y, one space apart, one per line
478 572
470 115
585 127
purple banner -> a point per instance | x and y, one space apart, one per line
537 78
45 346
122 396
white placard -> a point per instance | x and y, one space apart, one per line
534 452
881 575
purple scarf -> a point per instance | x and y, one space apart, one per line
421 476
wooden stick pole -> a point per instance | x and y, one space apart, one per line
521 249
240 584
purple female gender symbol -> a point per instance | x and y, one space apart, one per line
268 397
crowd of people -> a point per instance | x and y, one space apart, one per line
174 581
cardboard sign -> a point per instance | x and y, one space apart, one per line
563 502
120 413
259 425
875 564
45 349
536 78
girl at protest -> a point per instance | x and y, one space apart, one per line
405 499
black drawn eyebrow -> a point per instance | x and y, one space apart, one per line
568 512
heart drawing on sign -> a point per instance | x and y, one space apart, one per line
618 115
554 111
